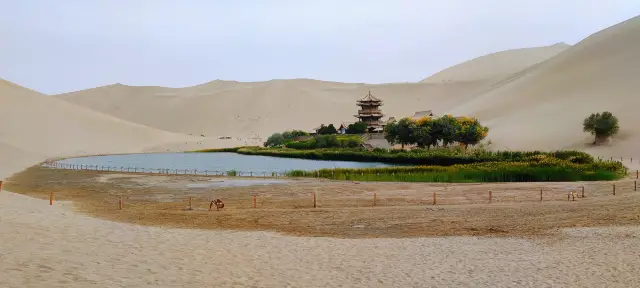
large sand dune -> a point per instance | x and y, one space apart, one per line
36 127
497 65
541 106
535 103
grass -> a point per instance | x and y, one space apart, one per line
482 172
452 165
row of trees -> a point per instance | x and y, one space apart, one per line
427 132
354 128
279 139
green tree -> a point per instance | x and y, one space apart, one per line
406 131
290 135
391 132
275 139
445 129
601 125
423 134
357 128
471 132
327 130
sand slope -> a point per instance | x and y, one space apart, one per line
36 127
543 108
497 65
245 109
530 98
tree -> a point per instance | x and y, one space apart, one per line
290 135
275 139
424 136
603 126
471 132
357 128
327 130
445 129
406 131
391 132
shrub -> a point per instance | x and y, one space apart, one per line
602 126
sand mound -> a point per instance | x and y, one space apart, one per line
35 127
543 108
497 65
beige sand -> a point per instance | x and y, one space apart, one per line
541 106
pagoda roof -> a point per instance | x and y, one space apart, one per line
369 98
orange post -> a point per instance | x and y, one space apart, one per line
50 198
434 198
582 191
314 199
254 201
119 202
490 196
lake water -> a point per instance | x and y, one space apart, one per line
211 162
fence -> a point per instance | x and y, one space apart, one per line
165 171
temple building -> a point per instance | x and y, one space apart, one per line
370 113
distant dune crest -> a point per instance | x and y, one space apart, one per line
532 98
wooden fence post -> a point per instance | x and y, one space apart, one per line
434 198
0 186
490 196
254 201
540 194
636 174
635 185
374 198
314 199
614 189
119 202
582 191
190 207
50 198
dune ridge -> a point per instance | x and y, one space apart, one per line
547 89
540 106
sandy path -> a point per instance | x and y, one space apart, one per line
43 246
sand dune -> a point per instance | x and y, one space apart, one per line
36 127
543 108
547 92
497 65
539 107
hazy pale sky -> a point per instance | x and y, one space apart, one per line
65 45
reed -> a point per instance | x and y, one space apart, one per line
556 170
437 157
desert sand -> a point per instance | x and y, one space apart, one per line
539 107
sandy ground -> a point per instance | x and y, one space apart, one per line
53 246
343 209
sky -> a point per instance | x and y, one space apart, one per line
68 45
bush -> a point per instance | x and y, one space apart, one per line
326 141
602 126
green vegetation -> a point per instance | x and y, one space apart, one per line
545 170
357 128
279 139
327 141
427 132
602 126
437 157
327 130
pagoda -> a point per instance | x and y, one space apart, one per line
370 113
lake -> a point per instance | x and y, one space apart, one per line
213 163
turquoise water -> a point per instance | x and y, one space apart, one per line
207 163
